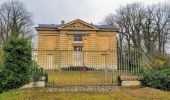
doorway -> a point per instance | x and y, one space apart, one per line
77 56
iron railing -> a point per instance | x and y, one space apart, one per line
92 67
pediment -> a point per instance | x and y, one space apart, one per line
78 25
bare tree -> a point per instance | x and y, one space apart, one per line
161 21
145 27
14 20
129 19
156 28
149 32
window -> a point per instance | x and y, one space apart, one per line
104 43
77 38
50 42
78 48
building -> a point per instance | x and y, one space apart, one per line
77 44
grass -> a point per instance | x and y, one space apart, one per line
120 94
82 78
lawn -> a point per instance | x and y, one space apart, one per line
118 94
82 78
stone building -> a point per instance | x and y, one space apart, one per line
77 44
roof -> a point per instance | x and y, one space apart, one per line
48 25
105 26
58 26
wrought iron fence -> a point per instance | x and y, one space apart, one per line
133 61
69 67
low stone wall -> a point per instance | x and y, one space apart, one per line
130 81
126 81
40 83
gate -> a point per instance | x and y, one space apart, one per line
77 67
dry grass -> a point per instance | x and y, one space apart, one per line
120 94
82 78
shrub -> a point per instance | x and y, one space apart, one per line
17 62
157 78
2 76
36 72
1 57
161 61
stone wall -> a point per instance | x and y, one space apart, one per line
130 81
40 83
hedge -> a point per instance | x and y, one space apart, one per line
157 78
17 63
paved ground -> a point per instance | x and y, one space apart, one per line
117 94
82 89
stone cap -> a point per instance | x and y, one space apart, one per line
130 78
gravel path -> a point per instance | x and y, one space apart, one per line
82 89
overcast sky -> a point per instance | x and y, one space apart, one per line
53 11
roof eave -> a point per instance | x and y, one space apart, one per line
109 29
80 29
101 29
45 29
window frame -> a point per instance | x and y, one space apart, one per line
78 48
78 38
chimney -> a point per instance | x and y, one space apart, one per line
62 22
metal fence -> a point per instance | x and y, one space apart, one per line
69 67
133 61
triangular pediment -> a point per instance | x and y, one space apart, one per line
78 25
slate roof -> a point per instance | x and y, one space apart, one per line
58 25
105 26
48 25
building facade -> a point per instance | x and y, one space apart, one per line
77 44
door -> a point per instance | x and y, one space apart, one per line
77 56
50 63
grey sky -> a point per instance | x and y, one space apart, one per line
53 11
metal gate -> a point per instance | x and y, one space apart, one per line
77 67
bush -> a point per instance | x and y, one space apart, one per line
161 61
36 72
2 78
17 63
157 78
1 57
